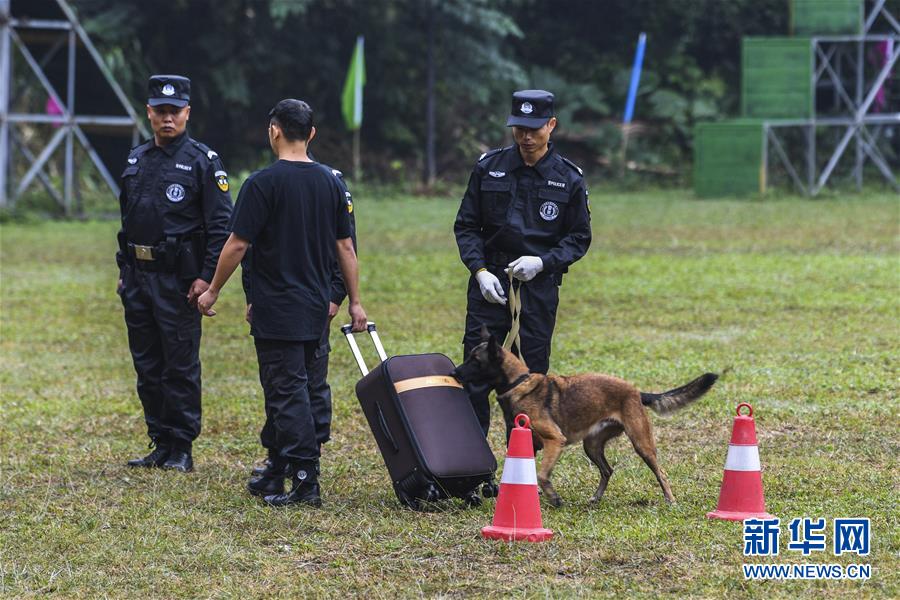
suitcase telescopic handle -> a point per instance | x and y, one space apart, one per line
347 330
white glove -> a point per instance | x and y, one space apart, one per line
526 268
490 287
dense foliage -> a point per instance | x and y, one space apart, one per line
244 55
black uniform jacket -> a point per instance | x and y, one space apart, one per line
511 210
174 191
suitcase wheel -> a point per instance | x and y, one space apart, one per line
490 489
406 500
472 499
432 494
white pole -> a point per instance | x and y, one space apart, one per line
358 85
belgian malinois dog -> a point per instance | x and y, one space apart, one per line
589 408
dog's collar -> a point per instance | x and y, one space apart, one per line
508 388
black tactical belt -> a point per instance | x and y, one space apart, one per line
159 258
145 253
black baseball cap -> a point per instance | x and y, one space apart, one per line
530 108
169 89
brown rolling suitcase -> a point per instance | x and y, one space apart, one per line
424 425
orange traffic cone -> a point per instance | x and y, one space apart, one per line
741 496
518 512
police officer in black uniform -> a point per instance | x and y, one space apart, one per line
525 214
175 209
319 390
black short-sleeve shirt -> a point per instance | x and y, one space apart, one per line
292 213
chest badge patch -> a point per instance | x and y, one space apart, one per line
549 211
222 180
497 174
175 193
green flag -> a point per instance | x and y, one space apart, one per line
351 99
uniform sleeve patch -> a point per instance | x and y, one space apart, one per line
221 179
211 154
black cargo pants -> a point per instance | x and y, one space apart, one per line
291 430
164 339
540 299
319 397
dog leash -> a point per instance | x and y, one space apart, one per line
515 311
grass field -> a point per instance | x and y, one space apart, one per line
797 298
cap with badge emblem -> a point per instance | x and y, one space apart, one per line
530 108
169 89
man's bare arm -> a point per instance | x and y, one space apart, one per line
231 256
346 256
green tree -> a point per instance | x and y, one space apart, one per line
439 72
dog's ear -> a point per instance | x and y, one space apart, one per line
485 334
493 348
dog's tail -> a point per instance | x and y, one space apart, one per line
670 401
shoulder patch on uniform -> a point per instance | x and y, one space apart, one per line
337 173
221 178
573 165
489 153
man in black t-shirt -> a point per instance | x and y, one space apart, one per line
295 215
319 390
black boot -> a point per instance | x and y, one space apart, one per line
271 479
156 458
304 487
266 468
180 458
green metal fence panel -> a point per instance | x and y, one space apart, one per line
728 158
776 77
826 17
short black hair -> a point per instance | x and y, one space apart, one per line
295 117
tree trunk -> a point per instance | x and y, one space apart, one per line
430 164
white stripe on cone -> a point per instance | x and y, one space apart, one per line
519 470
742 458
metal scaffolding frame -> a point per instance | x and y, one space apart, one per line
838 60
70 33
